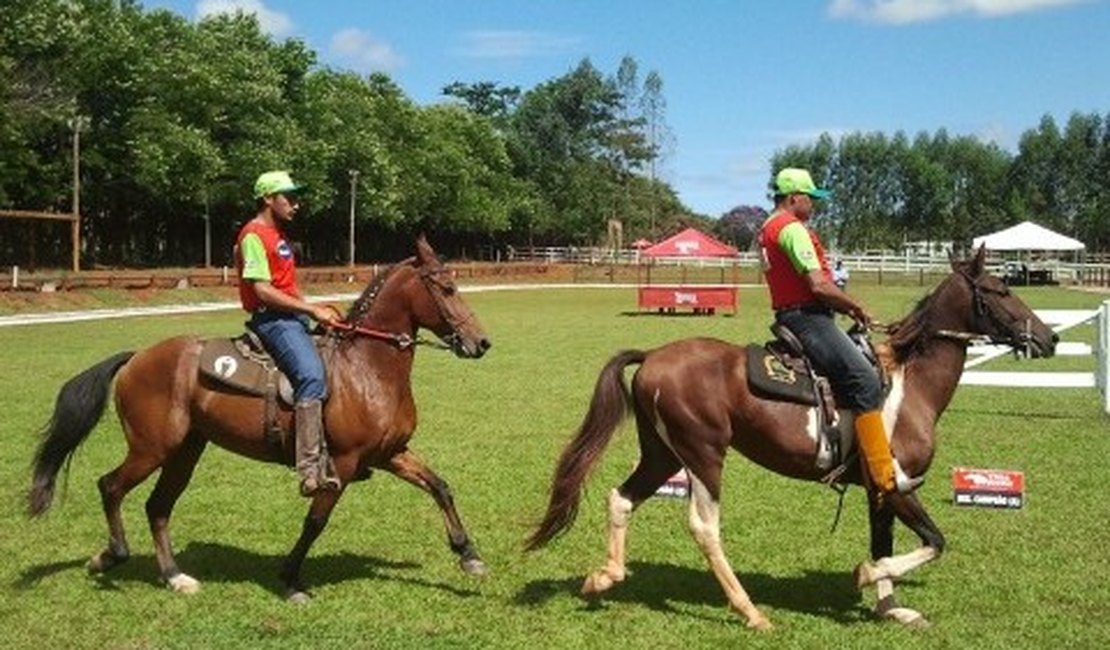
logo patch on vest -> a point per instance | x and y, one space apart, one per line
283 250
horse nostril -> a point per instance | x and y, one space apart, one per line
1055 338
484 344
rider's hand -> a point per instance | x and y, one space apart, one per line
325 314
861 316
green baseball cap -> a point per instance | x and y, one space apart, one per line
798 181
276 182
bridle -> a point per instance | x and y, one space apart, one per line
438 289
985 320
403 340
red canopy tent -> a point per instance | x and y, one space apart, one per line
690 244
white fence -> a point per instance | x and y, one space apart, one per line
1061 320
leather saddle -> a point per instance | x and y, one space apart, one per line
780 370
242 364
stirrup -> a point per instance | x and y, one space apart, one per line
904 483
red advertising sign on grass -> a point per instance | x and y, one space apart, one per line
990 488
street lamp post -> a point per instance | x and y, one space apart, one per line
77 123
351 230
207 233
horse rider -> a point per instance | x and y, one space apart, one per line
279 315
805 300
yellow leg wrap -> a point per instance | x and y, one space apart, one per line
875 449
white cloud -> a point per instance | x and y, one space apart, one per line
273 22
494 44
364 51
904 12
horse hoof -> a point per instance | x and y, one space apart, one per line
909 617
474 567
864 575
299 597
103 561
183 584
596 583
761 624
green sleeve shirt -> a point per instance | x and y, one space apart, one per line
256 264
794 240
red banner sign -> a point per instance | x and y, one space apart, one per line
990 488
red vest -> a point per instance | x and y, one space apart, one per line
788 286
279 257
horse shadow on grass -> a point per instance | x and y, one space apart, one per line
659 587
220 563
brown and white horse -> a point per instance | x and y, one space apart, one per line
170 412
692 402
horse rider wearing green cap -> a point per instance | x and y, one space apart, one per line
805 298
279 315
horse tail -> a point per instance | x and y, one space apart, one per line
79 407
607 410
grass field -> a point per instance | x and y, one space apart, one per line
383 576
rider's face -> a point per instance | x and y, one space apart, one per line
284 206
801 205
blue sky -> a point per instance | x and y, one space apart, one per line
742 78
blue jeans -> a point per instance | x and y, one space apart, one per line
854 382
287 340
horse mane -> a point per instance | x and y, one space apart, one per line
365 301
910 335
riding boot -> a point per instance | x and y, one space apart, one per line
313 465
882 467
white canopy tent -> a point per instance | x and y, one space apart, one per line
1027 239
1028 236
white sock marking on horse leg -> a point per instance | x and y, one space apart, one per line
705 525
620 513
897 566
884 587
887 607
183 584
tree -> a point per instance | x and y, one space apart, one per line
740 226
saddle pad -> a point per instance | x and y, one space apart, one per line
223 361
769 377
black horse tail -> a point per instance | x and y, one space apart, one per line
607 410
79 407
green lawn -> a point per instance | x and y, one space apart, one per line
383 575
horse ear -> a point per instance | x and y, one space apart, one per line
424 252
980 259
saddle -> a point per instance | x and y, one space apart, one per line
242 364
780 370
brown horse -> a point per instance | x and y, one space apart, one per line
169 413
692 402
